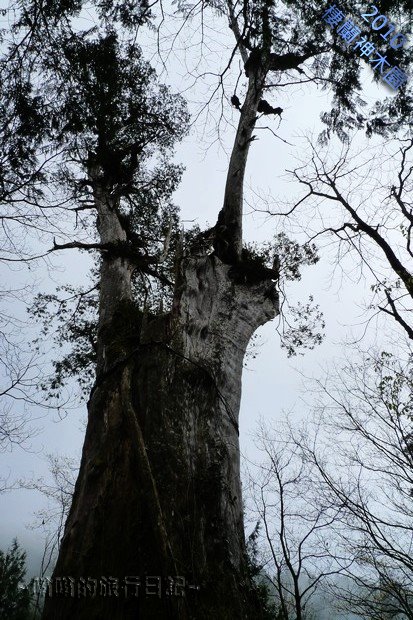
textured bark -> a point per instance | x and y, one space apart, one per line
159 485
228 241
159 490
115 273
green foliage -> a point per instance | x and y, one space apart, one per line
15 601
22 128
395 384
78 100
293 256
304 332
70 318
288 255
280 27
109 107
105 107
301 325
87 111
128 13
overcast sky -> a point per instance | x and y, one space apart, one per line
272 383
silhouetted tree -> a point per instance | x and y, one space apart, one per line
15 598
158 491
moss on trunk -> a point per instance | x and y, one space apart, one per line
159 490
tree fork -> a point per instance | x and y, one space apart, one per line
159 492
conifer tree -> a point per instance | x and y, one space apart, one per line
159 490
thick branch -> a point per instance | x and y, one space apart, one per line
373 233
286 62
228 230
120 250
395 313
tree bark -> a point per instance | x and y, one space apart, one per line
159 491
228 239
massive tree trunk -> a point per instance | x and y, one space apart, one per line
159 492
159 487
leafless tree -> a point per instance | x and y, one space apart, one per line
298 547
19 376
361 449
57 489
372 216
334 494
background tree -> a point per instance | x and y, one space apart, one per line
375 223
27 221
57 489
269 607
15 598
340 520
366 414
297 547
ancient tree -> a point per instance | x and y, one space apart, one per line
158 493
